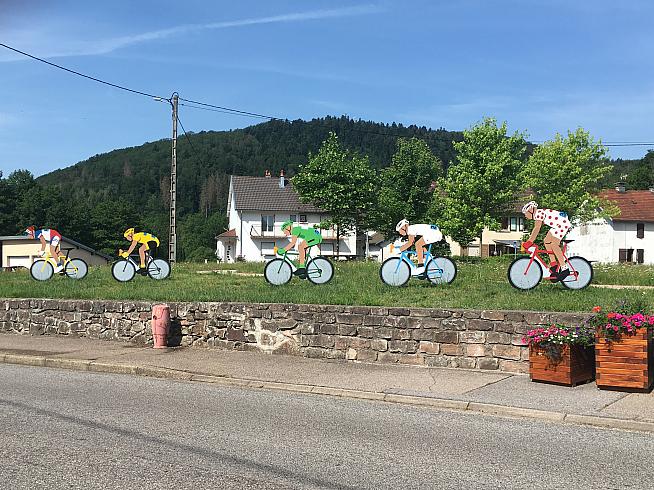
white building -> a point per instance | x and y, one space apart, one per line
257 207
628 237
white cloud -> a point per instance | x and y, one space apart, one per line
105 46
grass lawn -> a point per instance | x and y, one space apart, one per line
479 285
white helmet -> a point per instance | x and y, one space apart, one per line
530 204
401 223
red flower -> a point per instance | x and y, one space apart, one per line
611 315
597 309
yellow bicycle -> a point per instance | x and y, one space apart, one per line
43 269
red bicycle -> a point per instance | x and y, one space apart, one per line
526 272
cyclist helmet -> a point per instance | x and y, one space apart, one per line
287 224
528 206
401 223
29 230
128 231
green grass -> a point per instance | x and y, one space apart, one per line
479 285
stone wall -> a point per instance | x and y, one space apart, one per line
474 339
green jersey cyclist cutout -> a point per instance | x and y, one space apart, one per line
308 236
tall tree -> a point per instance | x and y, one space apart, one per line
339 181
566 174
406 186
642 176
482 183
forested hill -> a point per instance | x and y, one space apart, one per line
141 174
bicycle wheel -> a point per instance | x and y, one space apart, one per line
123 270
395 272
320 270
584 271
440 270
278 272
158 269
76 269
41 270
522 278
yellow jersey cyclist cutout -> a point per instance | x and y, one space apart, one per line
427 234
559 225
308 236
146 240
51 238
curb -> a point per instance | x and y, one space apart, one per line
425 401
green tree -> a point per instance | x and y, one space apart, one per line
482 183
8 225
406 186
109 220
642 176
341 182
197 235
566 174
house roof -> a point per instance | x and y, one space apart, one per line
63 239
265 194
634 205
228 234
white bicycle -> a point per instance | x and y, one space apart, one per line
124 270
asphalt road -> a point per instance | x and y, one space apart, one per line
66 429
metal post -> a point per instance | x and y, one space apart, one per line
172 239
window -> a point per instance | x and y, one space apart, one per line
626 255
516 223
267 223
303 218
640 230
640 255
293 218
505 223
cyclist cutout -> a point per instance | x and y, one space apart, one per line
428 234
308 236
559 226
145 239
49 237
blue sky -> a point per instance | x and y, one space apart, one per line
543 66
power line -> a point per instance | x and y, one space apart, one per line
228 110
81 74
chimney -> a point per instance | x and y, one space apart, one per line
268 174
621 187
282 182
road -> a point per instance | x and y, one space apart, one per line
67 429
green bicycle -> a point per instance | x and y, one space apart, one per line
278 271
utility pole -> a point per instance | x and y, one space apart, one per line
172 239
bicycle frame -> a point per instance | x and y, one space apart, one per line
406 254
293 264
535 255
49 258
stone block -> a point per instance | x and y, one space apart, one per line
379 345
399 311
373 320
400 334
387 357
437 361
498 338
473 337
534 318
351 354
472 314
403 346
366 355
510 352
463 362
492 315
429 347
477 350
437 313
514 366
505 326
513 316
454 323
488 363
452 349
352 319
412 359
345 329
517 339
358 343
447 337
383 332
475 324
328 328
365 332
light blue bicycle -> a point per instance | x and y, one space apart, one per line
396 271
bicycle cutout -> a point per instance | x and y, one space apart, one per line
526 272
43 269
124 269
396 271
319 269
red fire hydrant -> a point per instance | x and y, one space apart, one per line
160 325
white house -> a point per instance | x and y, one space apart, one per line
257 207
628 237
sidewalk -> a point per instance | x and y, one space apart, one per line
496 393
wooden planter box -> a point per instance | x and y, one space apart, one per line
576 365
626 364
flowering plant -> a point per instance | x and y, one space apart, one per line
558 334
611 325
